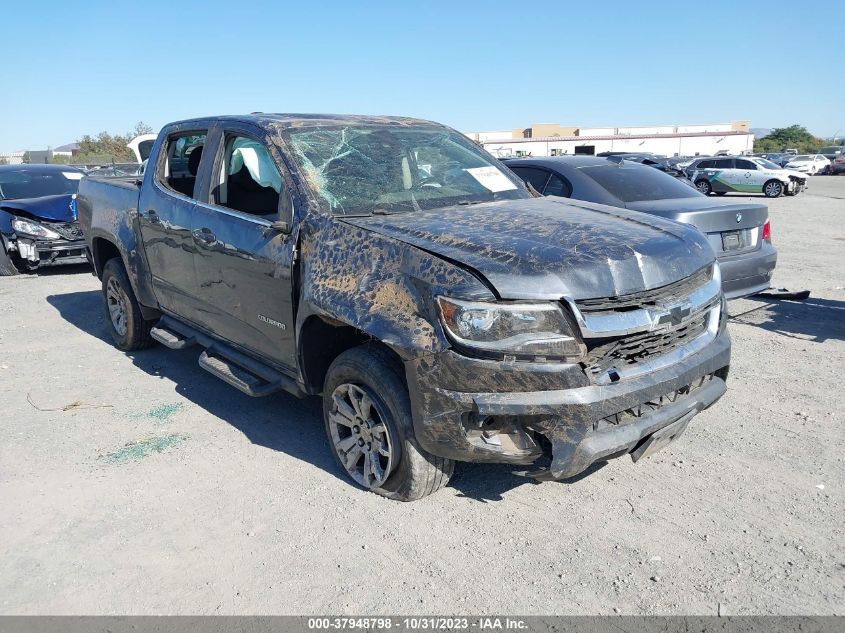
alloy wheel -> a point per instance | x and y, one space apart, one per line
360 436
773 189
116 302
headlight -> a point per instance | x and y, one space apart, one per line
517 329
34 229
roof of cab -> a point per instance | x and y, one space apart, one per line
294 120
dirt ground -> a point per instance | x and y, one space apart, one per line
160 490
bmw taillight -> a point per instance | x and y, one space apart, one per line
767 231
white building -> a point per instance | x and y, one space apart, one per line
11 158
551 139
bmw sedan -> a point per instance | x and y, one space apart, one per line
740 233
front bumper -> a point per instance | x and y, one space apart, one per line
748 273
38 252
525 412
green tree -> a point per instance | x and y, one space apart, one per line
794 136
105 148
3 161
61 159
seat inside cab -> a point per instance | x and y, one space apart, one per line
249 181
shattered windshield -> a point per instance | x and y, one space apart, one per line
363 169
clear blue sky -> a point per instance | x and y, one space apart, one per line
71 68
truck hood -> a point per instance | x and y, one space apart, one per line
61 208
547 248
706 214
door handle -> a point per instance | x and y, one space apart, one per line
204 235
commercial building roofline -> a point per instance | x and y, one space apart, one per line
616 137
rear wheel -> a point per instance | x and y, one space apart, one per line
367 415
129 330
704 186
773 189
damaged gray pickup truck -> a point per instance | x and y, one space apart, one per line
442 311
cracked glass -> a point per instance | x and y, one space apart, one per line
364 169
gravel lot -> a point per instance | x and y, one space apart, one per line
161 490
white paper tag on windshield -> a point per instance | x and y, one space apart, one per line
491 178
72 175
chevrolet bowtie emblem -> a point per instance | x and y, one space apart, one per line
675 315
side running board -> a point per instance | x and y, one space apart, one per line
167 332
240 370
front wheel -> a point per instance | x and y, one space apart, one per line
7 266
773 189
704 186
367 415
129 329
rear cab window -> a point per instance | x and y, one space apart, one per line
181 160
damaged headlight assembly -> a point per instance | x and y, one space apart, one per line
540 331
33 229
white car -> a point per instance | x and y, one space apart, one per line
721 175
809 164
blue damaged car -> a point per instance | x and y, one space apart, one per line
38 224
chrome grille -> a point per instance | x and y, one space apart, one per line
673 293
68 230
603 355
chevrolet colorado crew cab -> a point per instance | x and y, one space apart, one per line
441 309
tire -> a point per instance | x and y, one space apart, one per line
773 189
704 186
7 267
128 328
365 396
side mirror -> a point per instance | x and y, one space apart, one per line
282 226
284 223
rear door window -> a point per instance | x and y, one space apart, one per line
178 170
557 186
534 175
